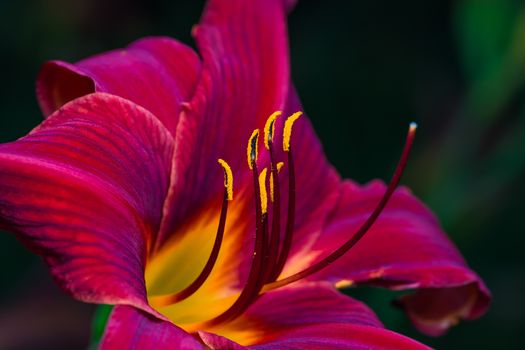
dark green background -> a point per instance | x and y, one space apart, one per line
363 69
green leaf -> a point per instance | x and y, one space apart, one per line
100 319
485 30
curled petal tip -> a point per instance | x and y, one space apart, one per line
194 30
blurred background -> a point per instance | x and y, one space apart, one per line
364 70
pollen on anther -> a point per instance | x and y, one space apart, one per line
251 150
269 128
228 178
263 192
279 166
344 283
287 131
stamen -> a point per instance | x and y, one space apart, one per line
262 189
166 300
290 223
269 129
287 131
364 228
228 178
251 150
273 247
255 280
279 166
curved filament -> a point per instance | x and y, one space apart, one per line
363 229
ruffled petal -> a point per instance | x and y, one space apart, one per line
85 190
405 249
129 328
157 73
434 310
312 316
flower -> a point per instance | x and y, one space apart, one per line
120 192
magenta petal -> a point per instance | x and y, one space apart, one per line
61 82
342 337
85 190
405 249
217 342
313 316
156 73
434 310
326 336
129 328
302 305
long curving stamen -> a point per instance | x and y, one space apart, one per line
165 300
363 229
254 283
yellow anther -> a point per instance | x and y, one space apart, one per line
251 150
287 132
269 128
279 166
228 178
344 283
263 192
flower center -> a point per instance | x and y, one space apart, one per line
271 249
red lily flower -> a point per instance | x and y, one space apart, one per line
120 192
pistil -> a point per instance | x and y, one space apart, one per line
360 233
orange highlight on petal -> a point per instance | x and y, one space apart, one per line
376 274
